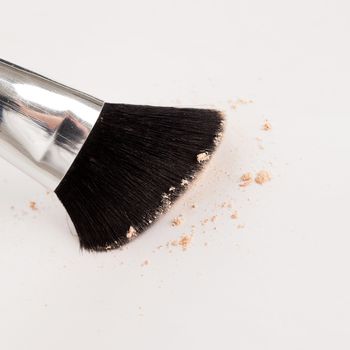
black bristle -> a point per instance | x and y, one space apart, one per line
132 166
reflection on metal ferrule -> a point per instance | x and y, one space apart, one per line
43 124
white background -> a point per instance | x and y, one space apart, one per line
281 281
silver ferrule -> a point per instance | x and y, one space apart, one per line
43 124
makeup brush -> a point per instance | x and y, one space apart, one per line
115 167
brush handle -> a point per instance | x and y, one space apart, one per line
43 124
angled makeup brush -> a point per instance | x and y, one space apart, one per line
115 167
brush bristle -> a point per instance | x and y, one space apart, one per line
134 164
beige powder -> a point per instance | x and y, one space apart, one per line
234 215
131 234
32 205
246 179
262 177
185 241
177 221
267 126
202 157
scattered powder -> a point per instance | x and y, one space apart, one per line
174 243
185 241
202 157
145 263
244 102
226 205
205 221
193 205
267 126
166 204
184 182
234 215
240 226
131 234
262 177
213 218
246 179
32 205
172 189
218 138
239 102
177 221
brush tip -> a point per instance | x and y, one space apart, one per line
135 163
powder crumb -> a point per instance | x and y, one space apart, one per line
246 179
184 182
234 215
166 204
32 205
244 102
193 205
174 243
172 189
177 221
185 241
240 226
226 205
262 177
218 138
213 218
205 221
145 263
131 234
266 126
239 102
202 157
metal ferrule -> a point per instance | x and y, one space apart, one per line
43 124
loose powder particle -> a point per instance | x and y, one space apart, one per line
234 215
267 126
177 221
131 234
145 263
262 177
238 102
246 179
32 205
185 241
184 182
205 221
202 157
